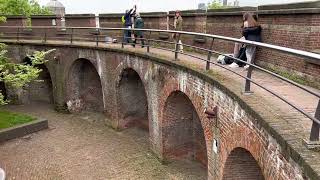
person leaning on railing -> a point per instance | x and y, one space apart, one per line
139 24
252 32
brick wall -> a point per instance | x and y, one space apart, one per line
12 21
81 20
295 29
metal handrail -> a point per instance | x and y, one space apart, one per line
314 135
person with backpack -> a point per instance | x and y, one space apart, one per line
252 32
127 21
139 24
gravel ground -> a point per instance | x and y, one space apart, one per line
81 147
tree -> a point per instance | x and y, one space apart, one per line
21 7
18 75
215 4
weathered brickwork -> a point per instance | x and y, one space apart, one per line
241 165
176 100
84 91
132 100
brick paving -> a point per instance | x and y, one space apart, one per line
81 147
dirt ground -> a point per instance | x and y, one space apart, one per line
80 146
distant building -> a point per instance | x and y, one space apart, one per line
202 6
225 2
236 3
56 7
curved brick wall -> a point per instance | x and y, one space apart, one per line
242 122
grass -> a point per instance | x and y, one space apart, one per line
296 78
10 119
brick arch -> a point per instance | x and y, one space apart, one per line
182 131
132 99
241 165
171 85
249 140
84 89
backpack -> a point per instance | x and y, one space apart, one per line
123 20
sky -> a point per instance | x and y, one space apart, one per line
119 6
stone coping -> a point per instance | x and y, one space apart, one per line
43 16
275 124
14 16
112 15
22 130
80 15
300 5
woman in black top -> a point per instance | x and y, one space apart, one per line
252 32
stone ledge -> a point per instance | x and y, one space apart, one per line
300 5
80 15
22 130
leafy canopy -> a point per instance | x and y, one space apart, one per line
215 4
21 7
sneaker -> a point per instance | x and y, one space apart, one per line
181 51
234 65
246 67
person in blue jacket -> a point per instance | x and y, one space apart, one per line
128 23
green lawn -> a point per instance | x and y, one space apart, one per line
10 119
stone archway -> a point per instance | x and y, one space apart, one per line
241 165
84 89
40 90
182 133
133 104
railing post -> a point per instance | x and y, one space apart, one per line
247 87
177 47
123 38
148 43
71 36
97 37
314 134
209 55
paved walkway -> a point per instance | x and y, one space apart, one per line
79 147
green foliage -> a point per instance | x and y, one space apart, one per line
9 119
215 4
18 75
21 7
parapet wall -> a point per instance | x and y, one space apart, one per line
290 25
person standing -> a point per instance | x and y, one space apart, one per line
139 24
128 24
251 31
178 27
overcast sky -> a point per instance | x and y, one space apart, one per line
116 6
